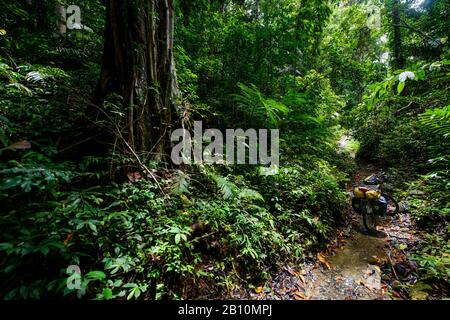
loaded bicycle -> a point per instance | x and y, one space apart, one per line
373 199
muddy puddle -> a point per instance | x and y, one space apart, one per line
348 271
351 272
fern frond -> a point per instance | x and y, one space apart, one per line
44 74
437 120
21 88
228 188
181 184
253 102
249 194
7 72
34 77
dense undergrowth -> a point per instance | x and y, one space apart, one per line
211 225
131 236
200 231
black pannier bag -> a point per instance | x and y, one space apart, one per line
357 204
381 206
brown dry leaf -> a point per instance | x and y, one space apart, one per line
291 272
323 260
299 295
21 145
68 239
134 176
258 289
302 278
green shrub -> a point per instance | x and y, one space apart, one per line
434 259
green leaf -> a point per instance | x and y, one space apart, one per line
420 74
136 292
269 171
4 246
107 293
93 227
250 195
400 87
96 275
11 294
45 250
3 138
177 238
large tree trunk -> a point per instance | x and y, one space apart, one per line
398 59
138 65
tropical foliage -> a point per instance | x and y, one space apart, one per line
75 193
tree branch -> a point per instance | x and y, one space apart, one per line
423 34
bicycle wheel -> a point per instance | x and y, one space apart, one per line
392 205
369 218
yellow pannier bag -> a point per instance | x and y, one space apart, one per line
373 195
359 192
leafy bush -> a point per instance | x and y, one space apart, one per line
434 259
426 198
393 124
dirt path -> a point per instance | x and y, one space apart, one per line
356 266
353 272
350 269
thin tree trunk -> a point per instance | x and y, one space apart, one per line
61 27
138 65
